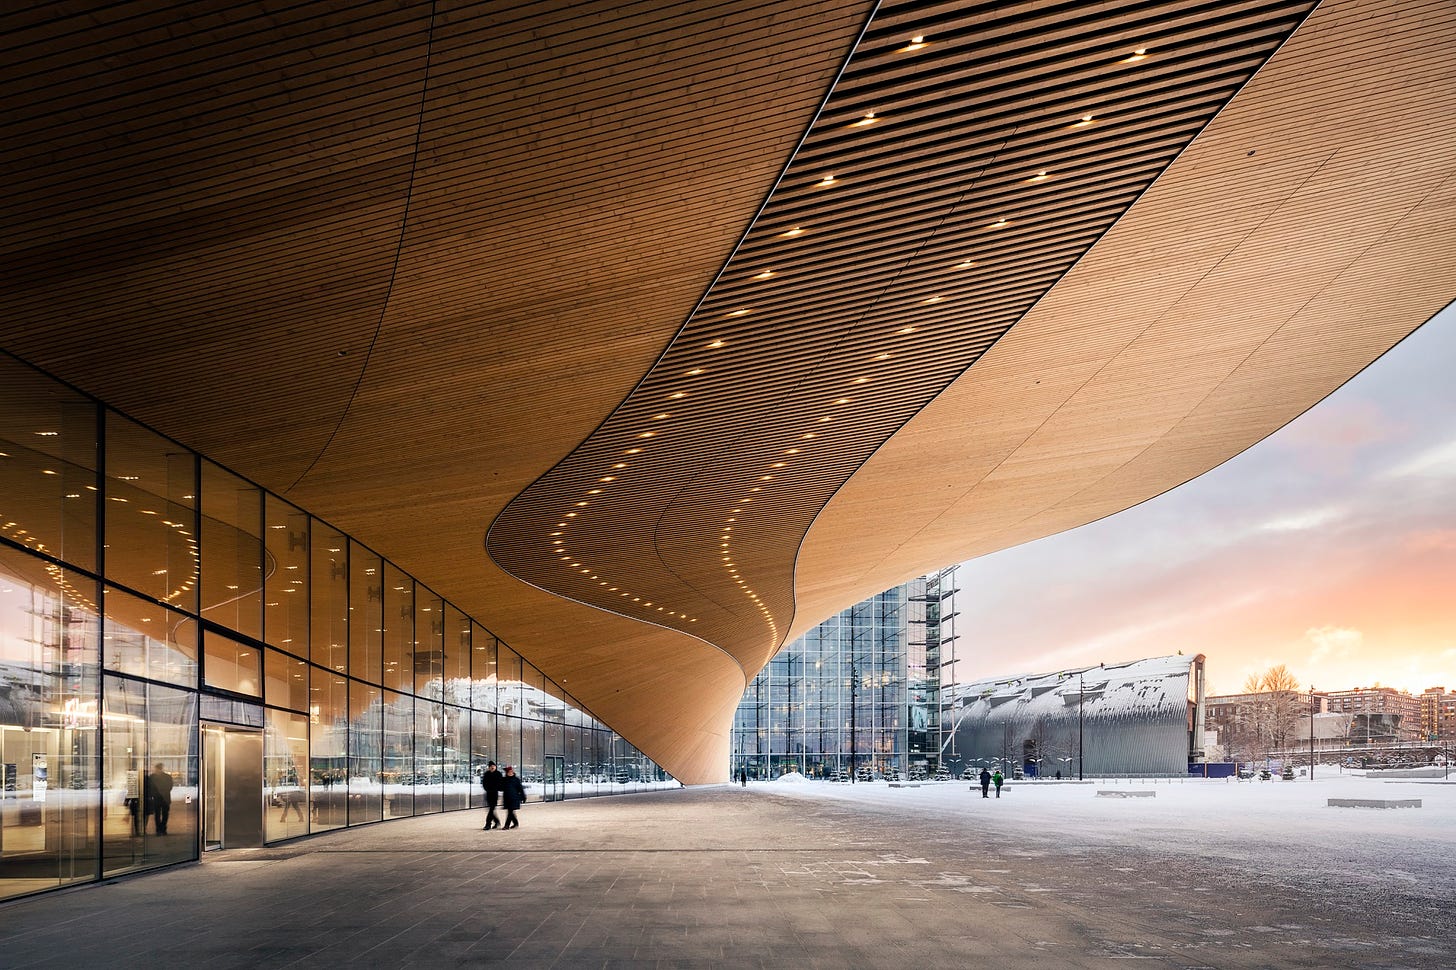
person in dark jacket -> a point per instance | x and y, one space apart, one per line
513 793
492 781
159 797
985 783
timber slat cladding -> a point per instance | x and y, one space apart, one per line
945 187
398 266
1297 239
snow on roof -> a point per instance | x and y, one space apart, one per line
1137 687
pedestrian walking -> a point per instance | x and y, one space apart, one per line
997 779
492 781
513 794
743 777
985 783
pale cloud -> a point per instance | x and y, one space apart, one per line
1304 521
1332 642
1437 462
1435 540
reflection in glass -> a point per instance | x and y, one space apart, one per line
48 474
482 751
285 765
366 741
429 644
428 775
285 583
232 551
329 592
455 759
285 681
151 514
146 639
399 629
366 614
328 762
48 726
149 770
396 772
228 664
457 656
508 681
482 670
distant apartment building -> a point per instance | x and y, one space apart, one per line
1251 725
1438 713
1379 714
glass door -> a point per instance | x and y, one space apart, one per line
232 787
555 787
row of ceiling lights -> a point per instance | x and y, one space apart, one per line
557 539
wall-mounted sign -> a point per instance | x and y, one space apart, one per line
39 777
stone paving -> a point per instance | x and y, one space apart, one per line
711 877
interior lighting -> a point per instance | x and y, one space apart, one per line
916 43
790 234
740 312
866 121
594 491
842 400
807 435
1138 55
632 451
1084 121
659 417
695 372
765 478
677 396
906 330
779 464
715 345
787 451
1039 176
965 264
860 380
620 464
580 504
826 182
933 299
1000 224
766 274
607 478
647 434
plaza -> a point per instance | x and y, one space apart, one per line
1205 874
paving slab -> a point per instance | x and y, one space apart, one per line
714 877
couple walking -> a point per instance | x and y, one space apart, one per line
502 787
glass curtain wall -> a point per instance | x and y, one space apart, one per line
839 702
142 585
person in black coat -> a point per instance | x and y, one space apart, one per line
513 793
985 783
159 797
492 781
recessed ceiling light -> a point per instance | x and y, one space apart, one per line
715 345
906 330
620 464
1140 54
787 451
866 121
764 275
803 437
826 181
1000 224
695 372
842 400
1084 121
796 231
931 299
632 451
965 264
741 311
1039 176
779 464
659 417
647 434
607 478
916 43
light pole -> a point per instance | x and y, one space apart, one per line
1311 732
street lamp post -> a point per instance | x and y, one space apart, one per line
1311 732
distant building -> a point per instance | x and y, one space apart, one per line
1438 713
1250 726
1380 715
1139 718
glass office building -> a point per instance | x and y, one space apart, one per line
189 662
857 696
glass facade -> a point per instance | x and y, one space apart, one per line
188 661
857 696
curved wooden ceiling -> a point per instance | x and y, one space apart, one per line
400 261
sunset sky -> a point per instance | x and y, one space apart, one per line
1329 547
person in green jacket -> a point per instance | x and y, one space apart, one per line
996 780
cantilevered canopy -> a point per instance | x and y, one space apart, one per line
651 334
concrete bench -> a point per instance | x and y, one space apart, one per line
1374 803
1128 793
901 784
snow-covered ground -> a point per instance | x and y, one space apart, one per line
1281 832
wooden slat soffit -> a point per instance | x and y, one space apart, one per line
966 158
